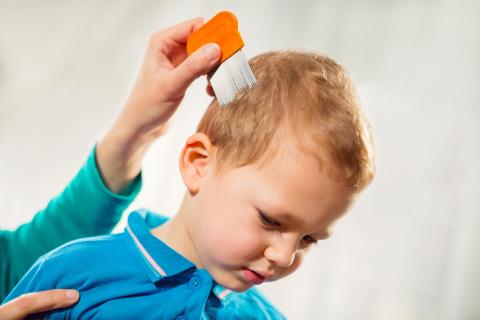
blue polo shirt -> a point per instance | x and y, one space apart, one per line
134 275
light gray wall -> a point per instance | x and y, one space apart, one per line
408 250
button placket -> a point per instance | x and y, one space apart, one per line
195 282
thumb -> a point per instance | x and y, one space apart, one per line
198 63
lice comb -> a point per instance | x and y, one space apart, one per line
234 73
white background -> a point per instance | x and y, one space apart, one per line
408 250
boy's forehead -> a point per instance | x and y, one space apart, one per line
286 151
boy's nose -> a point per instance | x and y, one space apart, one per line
281 253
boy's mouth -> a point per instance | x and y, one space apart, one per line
252 276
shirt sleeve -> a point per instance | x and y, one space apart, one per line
31 282
86 207
35 280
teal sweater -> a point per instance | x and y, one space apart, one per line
85 208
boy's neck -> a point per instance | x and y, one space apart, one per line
175 234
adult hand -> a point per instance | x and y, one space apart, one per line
36 302
164 76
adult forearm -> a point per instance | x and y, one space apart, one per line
119 155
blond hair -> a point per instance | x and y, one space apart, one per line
309 95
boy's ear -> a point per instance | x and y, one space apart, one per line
196 155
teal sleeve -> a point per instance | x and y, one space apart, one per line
85 208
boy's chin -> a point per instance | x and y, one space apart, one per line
240 287
234 284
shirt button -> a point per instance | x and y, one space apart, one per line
195 282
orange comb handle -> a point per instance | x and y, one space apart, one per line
222 29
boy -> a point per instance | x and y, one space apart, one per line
266 177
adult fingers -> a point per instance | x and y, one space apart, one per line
210 91
198 23
198 63
30 303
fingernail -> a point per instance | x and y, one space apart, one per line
212 51
71 294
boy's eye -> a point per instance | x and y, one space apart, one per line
309 240
267 221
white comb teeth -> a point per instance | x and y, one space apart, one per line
233 75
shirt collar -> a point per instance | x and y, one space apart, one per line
161 260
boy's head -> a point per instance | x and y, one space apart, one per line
268 175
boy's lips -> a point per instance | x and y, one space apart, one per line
253 276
